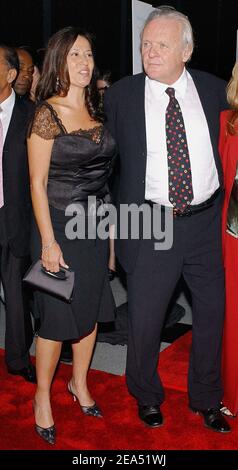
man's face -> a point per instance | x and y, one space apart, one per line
6 77
162 49
23 83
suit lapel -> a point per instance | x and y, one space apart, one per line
205 97
138 104
15 123
211 111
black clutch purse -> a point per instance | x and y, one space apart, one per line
60 284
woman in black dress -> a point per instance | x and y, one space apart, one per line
70 157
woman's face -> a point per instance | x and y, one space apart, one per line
80 63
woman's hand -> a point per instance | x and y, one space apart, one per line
52 258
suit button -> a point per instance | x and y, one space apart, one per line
143 181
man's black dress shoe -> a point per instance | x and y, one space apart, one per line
28 373
213 419
151 415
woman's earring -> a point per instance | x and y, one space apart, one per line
57 82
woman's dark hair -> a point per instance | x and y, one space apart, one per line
105 76
55 76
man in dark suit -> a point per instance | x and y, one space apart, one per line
15 208
166 124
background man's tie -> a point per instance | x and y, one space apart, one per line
179 168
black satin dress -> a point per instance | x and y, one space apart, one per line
80 166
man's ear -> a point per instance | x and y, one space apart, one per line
187 52
11 76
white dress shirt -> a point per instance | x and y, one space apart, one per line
204 173
6 112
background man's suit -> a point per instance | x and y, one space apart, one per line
196 252
14 236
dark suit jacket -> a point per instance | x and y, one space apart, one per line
16 188
124 106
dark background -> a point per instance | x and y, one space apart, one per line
31 22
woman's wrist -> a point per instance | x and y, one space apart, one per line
46 246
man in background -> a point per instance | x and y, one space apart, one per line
22 85
15 211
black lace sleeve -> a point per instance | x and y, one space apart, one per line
44 123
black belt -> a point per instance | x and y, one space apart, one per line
190 210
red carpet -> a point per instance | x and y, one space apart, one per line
173 364
120 429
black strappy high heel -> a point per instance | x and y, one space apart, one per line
93 410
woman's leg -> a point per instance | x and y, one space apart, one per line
47 356
82 354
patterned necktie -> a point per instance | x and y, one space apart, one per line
1 153
179 168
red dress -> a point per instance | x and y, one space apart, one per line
228 147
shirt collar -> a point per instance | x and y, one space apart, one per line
8 103
180 86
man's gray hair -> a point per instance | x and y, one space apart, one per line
170 12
